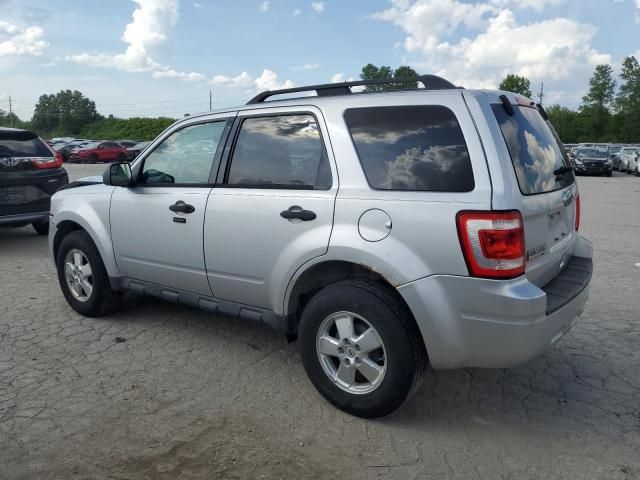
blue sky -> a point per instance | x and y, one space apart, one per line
161 57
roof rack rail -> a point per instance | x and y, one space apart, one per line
430 82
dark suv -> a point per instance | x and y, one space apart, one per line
30 172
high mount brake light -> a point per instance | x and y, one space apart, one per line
492 243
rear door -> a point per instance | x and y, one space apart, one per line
272 209
543 188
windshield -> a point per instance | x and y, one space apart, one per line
593 153
535 151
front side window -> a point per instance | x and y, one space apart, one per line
185 157
284 151
535 151
419 148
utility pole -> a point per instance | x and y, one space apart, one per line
10 112
210 100
541 94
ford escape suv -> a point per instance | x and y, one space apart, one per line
386 231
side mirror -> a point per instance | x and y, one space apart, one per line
118 175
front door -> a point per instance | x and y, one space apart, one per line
157 225
273 210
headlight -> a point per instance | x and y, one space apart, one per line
578 161
608 162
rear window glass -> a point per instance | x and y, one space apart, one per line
417 148
535 152
22 144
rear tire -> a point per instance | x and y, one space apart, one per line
393 370
93 158
100 299
122 157
42 227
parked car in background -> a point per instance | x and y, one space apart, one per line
100 152
613 150
593 161
623 157
134 151
634 162
30 172
338 184
67 149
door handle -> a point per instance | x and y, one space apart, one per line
299 213
180 206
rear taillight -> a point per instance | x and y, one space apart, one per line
492 243
48 162
577 212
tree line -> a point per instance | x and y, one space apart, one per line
69 113
609 112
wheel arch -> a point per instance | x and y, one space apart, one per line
323 274
88 221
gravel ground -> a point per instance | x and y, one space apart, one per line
160 391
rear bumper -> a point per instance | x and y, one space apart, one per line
473 322
25 196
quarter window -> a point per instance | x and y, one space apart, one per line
417 148
284 151
185 157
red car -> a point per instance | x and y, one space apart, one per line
100 152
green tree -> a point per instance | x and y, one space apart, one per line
595 118
627 103
112 128
516 84
602 88
11 119
63 113
565 121
372 72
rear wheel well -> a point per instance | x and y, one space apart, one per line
64 228
327 273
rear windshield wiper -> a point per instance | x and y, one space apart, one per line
562 170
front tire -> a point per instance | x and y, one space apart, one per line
361 348
83 278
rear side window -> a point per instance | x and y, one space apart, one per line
417 148
22 144
283 151
535 152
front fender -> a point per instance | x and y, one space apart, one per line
89 208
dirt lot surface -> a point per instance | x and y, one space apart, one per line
160 391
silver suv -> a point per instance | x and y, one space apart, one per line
386 231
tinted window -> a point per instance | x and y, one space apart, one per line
535 152
22 144
185 157
280 152
411 148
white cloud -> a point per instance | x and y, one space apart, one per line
147 33
264 6
268 80
243 80
197 5
317 7
296 12
307 66
497 44
339 77
171 73
17 41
